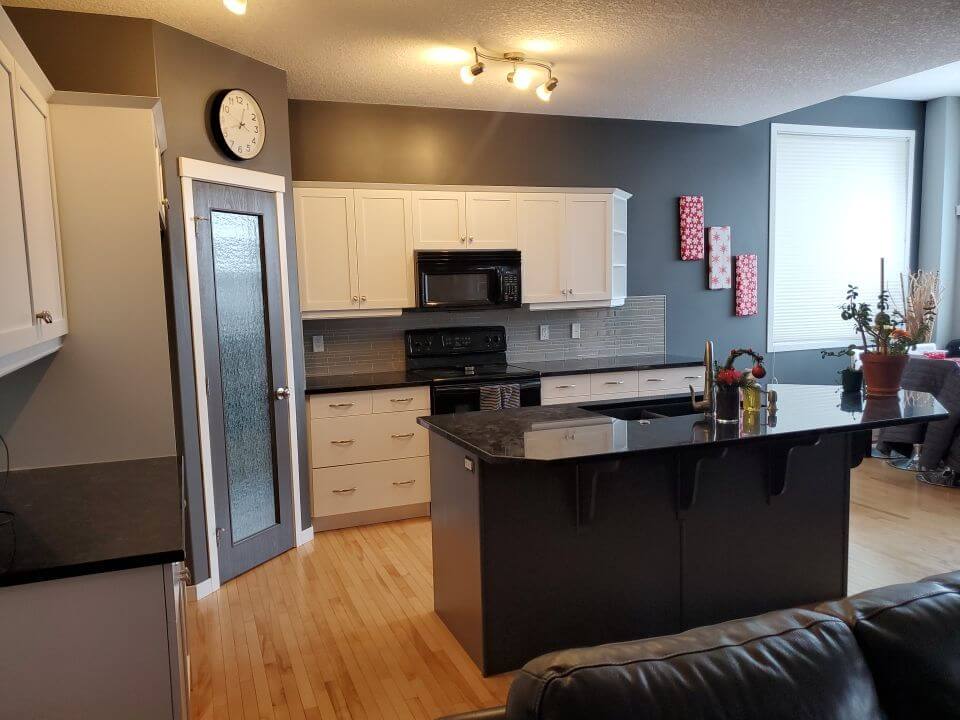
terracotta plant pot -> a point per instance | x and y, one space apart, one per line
882 373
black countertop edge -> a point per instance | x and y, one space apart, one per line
362 381
580 366
92 568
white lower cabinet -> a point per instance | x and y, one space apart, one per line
369 457
619 385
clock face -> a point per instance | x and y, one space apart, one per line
238 124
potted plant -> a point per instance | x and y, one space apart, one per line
885 353
730 382
850 377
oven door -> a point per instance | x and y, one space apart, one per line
466 397
467 280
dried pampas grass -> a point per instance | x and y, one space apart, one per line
921 294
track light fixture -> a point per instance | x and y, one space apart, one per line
520 76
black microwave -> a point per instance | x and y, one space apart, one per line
468 280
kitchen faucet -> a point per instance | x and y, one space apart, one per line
706 405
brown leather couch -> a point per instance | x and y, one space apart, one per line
887 654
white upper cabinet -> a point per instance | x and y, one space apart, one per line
17 325
439 220
39 207
543 255
326 249
589 247
491 221
384 248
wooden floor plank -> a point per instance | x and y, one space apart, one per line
343 628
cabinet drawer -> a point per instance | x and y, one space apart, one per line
340 404
564 386
401 399
370 486
565 400
367 438
614 382
671 379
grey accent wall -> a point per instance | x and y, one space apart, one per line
369 345
655 161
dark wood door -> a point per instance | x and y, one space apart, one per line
239 272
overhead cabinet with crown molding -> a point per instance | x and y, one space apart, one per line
356 243
32 306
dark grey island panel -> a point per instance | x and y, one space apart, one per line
620 529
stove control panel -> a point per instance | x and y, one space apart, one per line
446 342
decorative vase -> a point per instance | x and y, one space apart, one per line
852 380
882 373
751 399
728 404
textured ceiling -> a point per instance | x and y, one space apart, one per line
706 61
943 81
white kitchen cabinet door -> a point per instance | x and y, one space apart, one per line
384 248
326 249
18 328
543 255
491 221
439 220
588 247
39 206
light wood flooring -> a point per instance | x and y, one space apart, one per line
343 627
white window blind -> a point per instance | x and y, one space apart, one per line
840 199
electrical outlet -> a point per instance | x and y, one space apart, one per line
575 330
544 332
318 343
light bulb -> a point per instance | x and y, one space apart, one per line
521 78
237 7
545 90
469 73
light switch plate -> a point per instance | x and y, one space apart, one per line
544 332
318 343
575 330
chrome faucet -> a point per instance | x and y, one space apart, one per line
706 405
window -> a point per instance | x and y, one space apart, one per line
840 199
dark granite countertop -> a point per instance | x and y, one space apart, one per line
565 432
362 381
576 366
84 519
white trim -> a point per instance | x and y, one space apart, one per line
231 175
778 129
459 188
201 589
344 314
21 358
191 170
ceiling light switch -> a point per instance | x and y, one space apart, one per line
318 343
544 332
575 330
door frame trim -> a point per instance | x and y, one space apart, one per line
203 171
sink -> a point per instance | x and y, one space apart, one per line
645 410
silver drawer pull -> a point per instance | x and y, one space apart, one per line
405 482
341 405
399 400
691 377
565 387
342 442
344 491
614 382
400 436
655 379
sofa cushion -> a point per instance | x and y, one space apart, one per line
910 636
794 664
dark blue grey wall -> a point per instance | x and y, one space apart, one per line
655 161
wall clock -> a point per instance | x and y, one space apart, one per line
237 124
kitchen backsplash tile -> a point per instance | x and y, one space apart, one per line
376 344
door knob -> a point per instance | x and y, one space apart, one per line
45 316
282 393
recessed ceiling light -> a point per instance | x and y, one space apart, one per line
237 7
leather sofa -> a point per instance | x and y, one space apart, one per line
887 654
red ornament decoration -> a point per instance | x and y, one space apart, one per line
691 227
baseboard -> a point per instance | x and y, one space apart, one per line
201 589
371 517
304 536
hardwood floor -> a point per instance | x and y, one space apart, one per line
343 627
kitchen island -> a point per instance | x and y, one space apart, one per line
571 525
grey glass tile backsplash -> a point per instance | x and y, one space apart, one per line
376 344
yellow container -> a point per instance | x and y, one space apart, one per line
751 399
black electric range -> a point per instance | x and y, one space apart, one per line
458 362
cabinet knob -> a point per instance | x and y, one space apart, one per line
356 298
471 238
363 298
564 291
570 291
463 239
45 316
